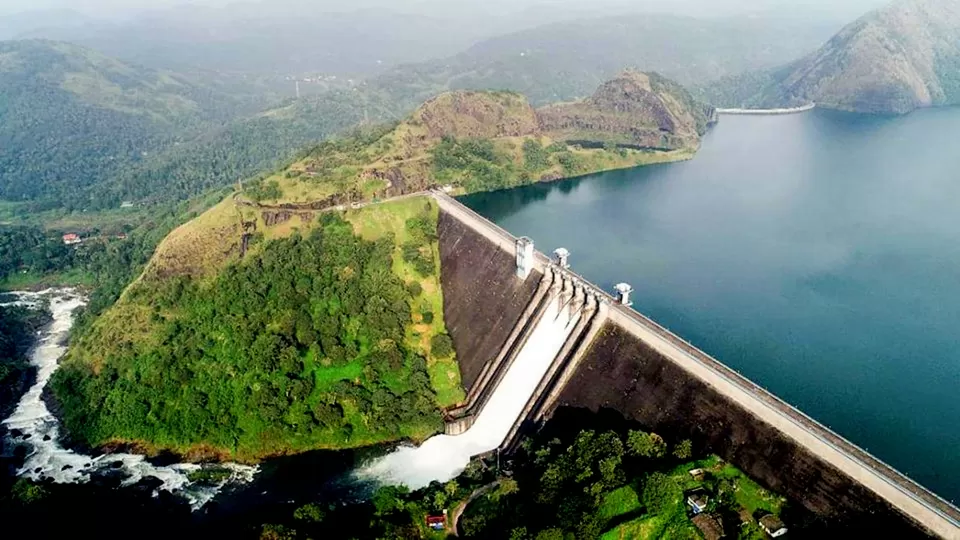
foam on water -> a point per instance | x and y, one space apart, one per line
443 457
39 429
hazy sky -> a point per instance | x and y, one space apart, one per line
840 8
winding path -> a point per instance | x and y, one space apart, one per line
454 524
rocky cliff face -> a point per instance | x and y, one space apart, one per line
485 115
636 110
894 60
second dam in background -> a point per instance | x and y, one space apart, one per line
818 254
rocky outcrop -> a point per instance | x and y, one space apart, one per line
894 60
636 110
487 115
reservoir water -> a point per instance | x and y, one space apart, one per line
818 254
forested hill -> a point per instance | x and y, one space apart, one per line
476 141
894 60
891 61
272 324
71 118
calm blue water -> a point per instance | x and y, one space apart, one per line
818 254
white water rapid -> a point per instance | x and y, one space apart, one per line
443 457
35 427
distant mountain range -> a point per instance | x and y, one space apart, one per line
890 61
366 37
88 131
82 130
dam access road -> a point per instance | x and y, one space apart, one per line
912 500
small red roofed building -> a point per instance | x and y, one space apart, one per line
437 522
71 239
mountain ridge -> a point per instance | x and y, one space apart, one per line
893 60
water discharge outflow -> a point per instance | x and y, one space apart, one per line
38 429
443 457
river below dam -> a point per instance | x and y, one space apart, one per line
818 254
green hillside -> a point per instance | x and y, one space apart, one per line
316 337
81 131
71 118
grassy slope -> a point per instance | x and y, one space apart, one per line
409 153
374 222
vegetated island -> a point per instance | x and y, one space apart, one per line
269 325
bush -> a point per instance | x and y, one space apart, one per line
414 288
428 317
660 492
441 345
683 450
311 513
646 445
535 156
420 258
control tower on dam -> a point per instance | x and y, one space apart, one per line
496 287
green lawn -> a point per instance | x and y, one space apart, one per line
619 502
749 494
645 527
673 522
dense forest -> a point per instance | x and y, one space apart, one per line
299 346
32 250
71 118
81 131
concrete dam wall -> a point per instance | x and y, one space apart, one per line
483 301
617 360
621 372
